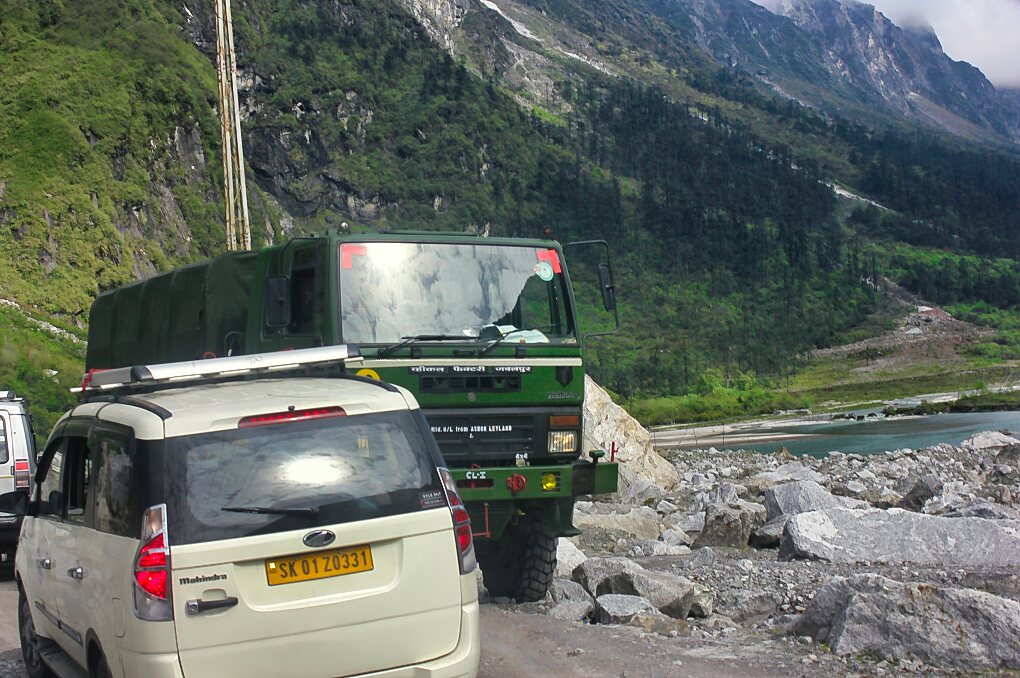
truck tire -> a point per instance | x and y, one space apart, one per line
537 561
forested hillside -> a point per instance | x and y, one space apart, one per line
733 254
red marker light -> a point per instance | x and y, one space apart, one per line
290 415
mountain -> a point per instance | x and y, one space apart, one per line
651 124
904 68
841 57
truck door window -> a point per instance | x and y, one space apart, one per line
302 304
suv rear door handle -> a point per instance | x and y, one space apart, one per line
76 573
45 563
199 606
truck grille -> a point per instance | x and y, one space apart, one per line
481 383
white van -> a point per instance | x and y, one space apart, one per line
193 523
17 465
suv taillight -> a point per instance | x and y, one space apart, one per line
21 474
152 568
461 524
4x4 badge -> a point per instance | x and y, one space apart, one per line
319 538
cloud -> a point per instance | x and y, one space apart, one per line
985 33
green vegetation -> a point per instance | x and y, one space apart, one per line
93 95
982 402
39 366
715 400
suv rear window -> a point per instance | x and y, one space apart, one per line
328 471
4 454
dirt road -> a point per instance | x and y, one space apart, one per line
521 645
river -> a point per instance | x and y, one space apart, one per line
816 437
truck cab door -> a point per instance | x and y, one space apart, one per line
294 309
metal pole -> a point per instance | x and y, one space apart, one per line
235 113
225 127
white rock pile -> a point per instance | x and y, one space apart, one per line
911 556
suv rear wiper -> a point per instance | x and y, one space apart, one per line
294 511
386 350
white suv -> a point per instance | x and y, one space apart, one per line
17 464
191 522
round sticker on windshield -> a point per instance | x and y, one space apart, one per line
544 270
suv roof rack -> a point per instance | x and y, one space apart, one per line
215 368
10 396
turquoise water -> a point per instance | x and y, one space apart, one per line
880 435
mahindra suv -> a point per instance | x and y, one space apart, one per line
17 461
215 518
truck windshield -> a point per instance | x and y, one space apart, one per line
389 291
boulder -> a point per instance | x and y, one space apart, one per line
640 522
989 440
674 536
702 602
703 557
753 606
567 589
1009 455
572 602
606 422
572 610
984 509
669 593
801 496
793 470
920 491
894 536
568 557
613 608
730 524
688 522
656 622
943 626
646 548
771 533
600 575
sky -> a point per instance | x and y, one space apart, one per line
985 33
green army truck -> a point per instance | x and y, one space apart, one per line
483 331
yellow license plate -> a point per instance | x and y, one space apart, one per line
319 565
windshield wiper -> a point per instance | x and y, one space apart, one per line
386 350
496 342
294 511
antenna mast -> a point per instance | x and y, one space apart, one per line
235 194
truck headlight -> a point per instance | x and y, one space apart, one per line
562 442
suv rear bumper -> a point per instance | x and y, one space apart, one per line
461 663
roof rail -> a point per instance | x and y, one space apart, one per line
198 370
10 396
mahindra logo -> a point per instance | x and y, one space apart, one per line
319 538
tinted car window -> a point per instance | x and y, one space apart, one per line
4 454
115 506
326 471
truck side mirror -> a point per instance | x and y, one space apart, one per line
277 301
608 289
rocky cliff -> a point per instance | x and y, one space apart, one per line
840 56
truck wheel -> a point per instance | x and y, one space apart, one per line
537 562
35 667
